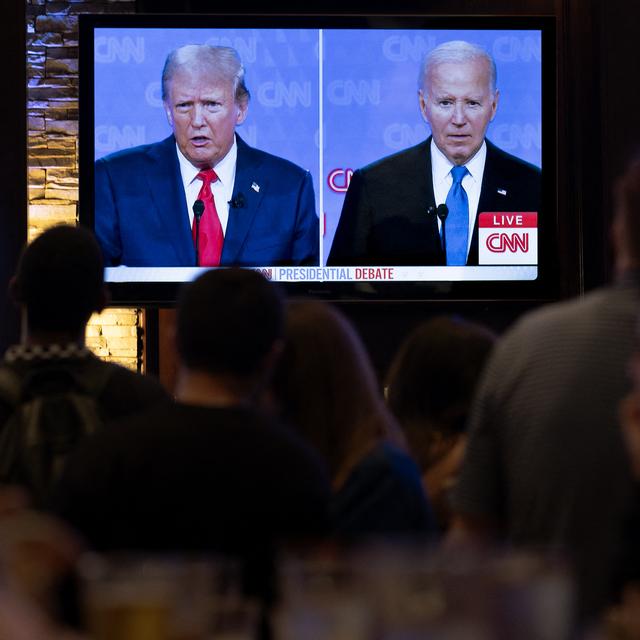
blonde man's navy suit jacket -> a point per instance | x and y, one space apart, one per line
141 216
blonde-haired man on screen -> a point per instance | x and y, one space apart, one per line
203 196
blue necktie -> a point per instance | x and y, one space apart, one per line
457 224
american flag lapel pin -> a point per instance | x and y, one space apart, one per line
502 192
255 186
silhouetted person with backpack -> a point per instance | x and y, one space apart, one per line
53 390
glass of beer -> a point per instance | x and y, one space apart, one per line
127 598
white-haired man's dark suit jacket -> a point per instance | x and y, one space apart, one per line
388 216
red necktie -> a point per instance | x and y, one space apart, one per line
211 236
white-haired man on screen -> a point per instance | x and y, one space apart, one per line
389 213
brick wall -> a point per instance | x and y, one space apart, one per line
52 72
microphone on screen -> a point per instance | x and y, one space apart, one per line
442 211
198 210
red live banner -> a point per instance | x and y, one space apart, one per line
510 219
508 237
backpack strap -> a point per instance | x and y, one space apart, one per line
10 387
89 379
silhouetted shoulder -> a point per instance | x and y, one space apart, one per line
128 392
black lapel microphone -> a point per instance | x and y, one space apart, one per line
442 211
198 210
237 202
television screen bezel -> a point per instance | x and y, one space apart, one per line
546 286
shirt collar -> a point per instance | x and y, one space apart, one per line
225 169
441 165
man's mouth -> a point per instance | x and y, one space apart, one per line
199 141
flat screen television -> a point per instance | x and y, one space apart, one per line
335 96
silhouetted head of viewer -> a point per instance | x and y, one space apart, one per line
429 389
326 387
458 97
205 98
230 324
58 284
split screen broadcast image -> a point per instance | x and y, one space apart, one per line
318 154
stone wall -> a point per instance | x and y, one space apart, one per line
52 74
